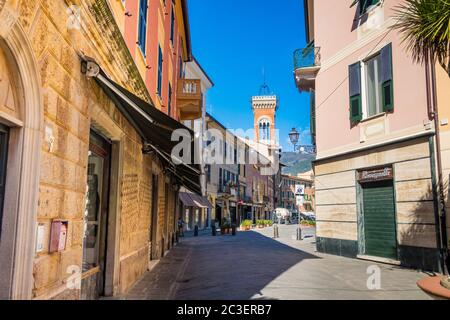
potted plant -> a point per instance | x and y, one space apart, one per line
246 225
225 227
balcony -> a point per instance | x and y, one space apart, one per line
189 99
306 67
227 191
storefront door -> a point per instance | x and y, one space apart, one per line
96 218
219 214
233 214
154 223
379 219
3 160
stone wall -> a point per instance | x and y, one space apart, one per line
337 199
69 102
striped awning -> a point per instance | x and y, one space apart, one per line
194 200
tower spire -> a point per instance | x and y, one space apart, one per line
264 89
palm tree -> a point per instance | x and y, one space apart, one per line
425 25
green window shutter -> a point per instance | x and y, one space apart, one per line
355 92
365 4
387 83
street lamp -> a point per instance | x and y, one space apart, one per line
294 137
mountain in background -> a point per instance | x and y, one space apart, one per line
296 162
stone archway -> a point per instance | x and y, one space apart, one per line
17 245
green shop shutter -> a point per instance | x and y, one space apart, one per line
387 85
379 220
355 92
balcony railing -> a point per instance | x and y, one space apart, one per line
306 67
189 99
307 57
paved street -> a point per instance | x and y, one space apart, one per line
252 265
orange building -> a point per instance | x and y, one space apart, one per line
157 34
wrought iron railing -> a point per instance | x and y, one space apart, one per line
307 57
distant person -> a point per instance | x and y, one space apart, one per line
181 227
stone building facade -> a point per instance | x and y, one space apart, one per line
55 121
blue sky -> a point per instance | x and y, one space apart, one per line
234 41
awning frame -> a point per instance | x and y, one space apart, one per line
184 173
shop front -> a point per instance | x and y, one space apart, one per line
194 208
377 218
379 205
233 212
96 217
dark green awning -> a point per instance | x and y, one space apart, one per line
154 126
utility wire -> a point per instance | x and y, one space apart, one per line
346 78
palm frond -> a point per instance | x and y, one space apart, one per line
425 25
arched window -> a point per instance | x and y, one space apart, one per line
264 129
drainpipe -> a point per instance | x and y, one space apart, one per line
434 115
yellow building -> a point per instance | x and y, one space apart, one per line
86 200
442 104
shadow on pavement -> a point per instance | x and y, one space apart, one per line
227 267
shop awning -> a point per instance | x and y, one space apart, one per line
154 126
194 200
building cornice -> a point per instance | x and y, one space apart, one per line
386 142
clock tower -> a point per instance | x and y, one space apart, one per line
264 108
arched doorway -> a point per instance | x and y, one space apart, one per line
21 118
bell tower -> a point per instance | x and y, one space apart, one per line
264 108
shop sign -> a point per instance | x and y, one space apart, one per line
299 189
379 174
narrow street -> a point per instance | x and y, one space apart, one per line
252 265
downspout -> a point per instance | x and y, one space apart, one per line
440 210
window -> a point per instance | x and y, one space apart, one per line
371 86
220 178
208 173
160 71
169 104
172 27
181 68
365 5
3 160
142 33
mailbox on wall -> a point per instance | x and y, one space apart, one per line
58 235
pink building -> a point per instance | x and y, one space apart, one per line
157 33
374 136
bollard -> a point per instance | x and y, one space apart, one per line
299 233
233 230
213 229
275 231
196 231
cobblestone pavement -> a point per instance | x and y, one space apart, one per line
252 265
